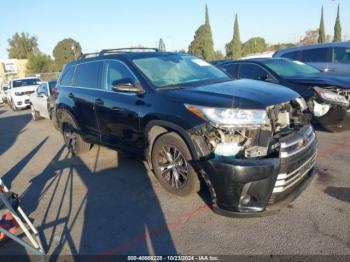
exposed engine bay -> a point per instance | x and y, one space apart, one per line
257 142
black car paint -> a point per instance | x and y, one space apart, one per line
303 85
124 120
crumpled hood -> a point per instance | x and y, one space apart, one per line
322 79
245 94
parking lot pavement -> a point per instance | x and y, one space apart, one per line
107 203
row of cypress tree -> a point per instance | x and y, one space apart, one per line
203 45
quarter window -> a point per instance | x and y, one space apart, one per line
115 71
67 77
88 75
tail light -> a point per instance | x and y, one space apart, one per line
55 91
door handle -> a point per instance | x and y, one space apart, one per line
99 102
70 95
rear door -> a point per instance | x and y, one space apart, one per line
84 92
118 113
318 57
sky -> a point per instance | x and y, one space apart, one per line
104 24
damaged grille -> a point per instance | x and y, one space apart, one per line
298 157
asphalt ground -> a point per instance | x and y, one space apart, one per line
105 202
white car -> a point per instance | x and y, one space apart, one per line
42 100
20 89
3 92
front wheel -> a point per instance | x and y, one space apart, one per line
170 160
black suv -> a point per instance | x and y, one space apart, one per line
249 141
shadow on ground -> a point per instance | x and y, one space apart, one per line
340 193
118 214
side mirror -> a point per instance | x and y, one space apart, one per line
127 85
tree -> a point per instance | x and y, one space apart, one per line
39 63
311 37
22 45
65 51
322 31
202 44
219 55
233 48
254 45
337 28
161 45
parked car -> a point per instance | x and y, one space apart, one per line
19 91
42 100
329 57
250 141
3 92
327 95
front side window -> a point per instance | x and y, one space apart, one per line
252 71
42 89
25 82
88 75
288 68
321 55
231 69
113 72
341 55
52 85
178 70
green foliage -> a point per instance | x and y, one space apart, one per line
65 51
219 55
281 46
234 48
322 31
337 28
161 45
254 45
202 44
22 45
39 63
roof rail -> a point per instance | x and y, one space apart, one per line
88 55
127 50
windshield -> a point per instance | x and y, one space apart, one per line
289 68
26 82
177 70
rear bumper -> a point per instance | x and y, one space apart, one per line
256 187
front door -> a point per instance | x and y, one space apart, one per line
41 100
118 113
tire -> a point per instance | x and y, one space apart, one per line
35 114
73 140
13 107
170 158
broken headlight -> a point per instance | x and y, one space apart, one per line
331 97
230 117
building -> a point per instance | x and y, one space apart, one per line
12 68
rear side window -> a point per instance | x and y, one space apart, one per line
88 75
341 55
232 70
316 55
67 77
252 71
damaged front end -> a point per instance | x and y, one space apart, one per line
331 107
252 168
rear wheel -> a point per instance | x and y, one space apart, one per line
35 114
170 160
73 140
